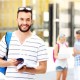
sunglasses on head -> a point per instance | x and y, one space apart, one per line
25 8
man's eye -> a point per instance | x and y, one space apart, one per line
28 20
21 19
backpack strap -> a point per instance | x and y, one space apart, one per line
7 40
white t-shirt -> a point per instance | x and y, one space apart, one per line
32 50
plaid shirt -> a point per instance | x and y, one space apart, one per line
77 57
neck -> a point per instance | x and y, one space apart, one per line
23 34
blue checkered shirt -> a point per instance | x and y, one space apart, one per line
77 57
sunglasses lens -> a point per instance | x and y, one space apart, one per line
28 9
25 8
21 8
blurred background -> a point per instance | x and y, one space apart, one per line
50 17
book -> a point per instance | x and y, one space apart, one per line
64 53
25 63
63 56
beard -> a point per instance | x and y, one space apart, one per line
26 30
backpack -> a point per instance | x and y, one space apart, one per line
7 40
54 59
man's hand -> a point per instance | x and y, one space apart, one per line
75 52
38 70
13 62
24 68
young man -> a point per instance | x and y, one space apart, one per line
76 55
24 45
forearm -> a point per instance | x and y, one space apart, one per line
76 51
4 63
38 70
11 62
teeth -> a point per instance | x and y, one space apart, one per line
24 26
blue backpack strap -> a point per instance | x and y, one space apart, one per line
7 39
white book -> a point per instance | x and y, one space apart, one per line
27 64
64 53
63 56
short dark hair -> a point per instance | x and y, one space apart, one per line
25 9
78 32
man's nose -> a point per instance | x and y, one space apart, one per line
24 22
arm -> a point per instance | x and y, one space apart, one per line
56 51
75 52
38 70
4 63
3 50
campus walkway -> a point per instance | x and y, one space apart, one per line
52 75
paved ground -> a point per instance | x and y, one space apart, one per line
52 75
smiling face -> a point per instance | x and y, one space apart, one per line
24 21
